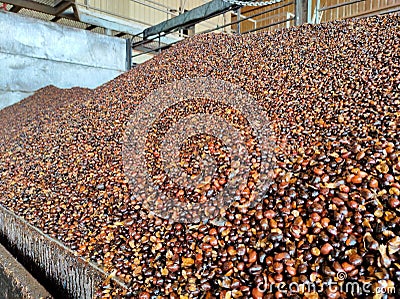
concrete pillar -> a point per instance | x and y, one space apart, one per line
108 32
239 11
301 12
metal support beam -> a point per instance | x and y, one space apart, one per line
201 13
340 5
120 34
106 21
154 51
55 19
316 17
15 9
238 18
90 27
248 18
128 54
270 25
309 12
301 12
41 7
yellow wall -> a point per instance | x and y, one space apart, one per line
353 10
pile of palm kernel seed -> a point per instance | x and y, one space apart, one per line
332 95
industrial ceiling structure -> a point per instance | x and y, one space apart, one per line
148 38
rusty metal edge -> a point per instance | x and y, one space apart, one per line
20 281
77 277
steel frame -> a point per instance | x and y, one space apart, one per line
154 44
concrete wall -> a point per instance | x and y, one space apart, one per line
62 272
34 54
16 282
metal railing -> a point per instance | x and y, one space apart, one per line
287 17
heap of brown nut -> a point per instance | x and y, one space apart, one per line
332 95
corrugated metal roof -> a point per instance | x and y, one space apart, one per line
35 14
51 3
